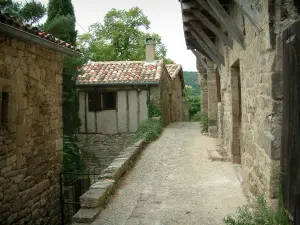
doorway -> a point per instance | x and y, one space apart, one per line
236 112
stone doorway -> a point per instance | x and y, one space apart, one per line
236 112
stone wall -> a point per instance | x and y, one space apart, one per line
165 95
177 97
30 141
100 150
250 89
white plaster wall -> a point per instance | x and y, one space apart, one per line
143 109
133 111
107 122
90 116
122 112
82 111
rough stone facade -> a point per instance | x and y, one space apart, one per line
30 140
249 116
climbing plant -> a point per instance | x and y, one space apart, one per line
153 111
61 23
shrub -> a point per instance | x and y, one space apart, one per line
203 119
258 214
149 130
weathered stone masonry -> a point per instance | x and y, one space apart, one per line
249 115
30 141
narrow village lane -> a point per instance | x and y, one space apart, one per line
176 183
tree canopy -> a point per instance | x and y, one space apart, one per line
31 12
121 37
61 20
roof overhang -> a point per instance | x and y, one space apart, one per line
27 37
117 84
205 21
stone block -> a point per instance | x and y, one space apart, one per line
86 215
93 198
107 184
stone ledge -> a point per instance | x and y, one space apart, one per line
86 215
95 198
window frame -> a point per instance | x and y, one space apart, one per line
101 98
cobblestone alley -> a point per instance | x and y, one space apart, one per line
176 183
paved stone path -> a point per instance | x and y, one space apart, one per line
176 183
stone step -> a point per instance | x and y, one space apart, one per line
85 215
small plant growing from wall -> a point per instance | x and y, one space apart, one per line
260 213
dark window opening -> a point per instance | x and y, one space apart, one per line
4 107
94 99
101 101
109 100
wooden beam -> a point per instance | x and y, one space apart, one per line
250 11
195 45
205 48
213 28
188 5
207 41
188 18
198 56
227 22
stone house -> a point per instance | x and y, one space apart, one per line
114 95
238 46
31 123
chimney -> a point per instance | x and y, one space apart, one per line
150 49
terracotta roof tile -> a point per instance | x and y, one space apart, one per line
13 22
173 69
118 72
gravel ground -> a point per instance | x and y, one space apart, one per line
175 183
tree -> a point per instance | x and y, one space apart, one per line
61 23
61 20
120 37
31 12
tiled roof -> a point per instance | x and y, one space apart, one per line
173 69
119 72
13 22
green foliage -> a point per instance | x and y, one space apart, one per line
153 111
191 79
71 155
31 12
203 119
63 27
258 214
61 23
120 37
149 130
194 100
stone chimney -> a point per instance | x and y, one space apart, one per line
150 49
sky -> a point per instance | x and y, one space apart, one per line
164 15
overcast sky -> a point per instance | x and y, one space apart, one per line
164 15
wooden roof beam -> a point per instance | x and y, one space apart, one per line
198 56
250 11
213 28
211 54
227 22
207 40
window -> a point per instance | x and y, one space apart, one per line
101 101
109 100
4 107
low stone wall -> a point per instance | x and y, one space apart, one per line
100 150
95 198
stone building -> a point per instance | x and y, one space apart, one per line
238 47
114 95
31 123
